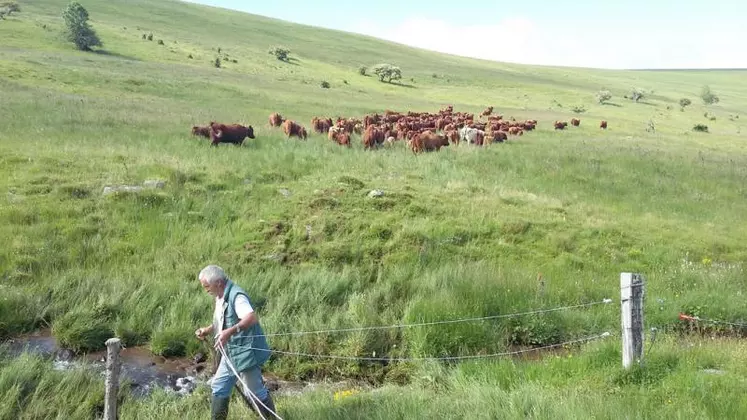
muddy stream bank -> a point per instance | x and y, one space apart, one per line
144 370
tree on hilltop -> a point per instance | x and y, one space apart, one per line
79 31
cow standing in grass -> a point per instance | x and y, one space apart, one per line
276 120
291 128
230 133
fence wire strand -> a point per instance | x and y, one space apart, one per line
449 321
442 358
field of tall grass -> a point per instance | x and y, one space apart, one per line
548 219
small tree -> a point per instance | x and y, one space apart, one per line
78 30
603 96
281 53
362 70
684 102
325 84
637 94
8 7
387 72
217 62
708 97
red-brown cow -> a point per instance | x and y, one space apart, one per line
575 122
321 125
291 128
230 133
603 125
372 137
276 120
431 141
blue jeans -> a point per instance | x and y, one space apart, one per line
224 381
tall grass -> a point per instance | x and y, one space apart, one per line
679 379
548 219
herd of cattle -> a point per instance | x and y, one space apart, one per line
422 131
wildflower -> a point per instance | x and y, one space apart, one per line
344 394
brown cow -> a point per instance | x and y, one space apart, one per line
560 125
431 141
499 136
575 122
343 139
291 128
603 125
230 133
200 130
488 111
453 136
321 125
276 120
372 137
333 132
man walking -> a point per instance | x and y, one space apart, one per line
236 328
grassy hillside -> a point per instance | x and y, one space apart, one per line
460 233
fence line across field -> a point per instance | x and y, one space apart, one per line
442 358
448 321
632 295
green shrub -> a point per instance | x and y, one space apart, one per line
281 53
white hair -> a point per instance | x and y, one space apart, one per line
213 274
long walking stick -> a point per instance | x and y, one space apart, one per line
215 357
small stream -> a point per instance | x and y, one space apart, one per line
144 370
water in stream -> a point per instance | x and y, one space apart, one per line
144 370
140 367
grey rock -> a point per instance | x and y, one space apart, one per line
154 183
375 193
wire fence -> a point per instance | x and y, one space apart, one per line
443 322
441 358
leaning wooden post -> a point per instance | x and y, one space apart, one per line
112 378
631 299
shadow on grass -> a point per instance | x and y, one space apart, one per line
292 61
116 55
612 104
405 85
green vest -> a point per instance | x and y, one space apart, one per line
238 346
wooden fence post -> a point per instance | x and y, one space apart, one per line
112 378
631 299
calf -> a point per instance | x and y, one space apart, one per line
575 122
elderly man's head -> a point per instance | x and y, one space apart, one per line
213 280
